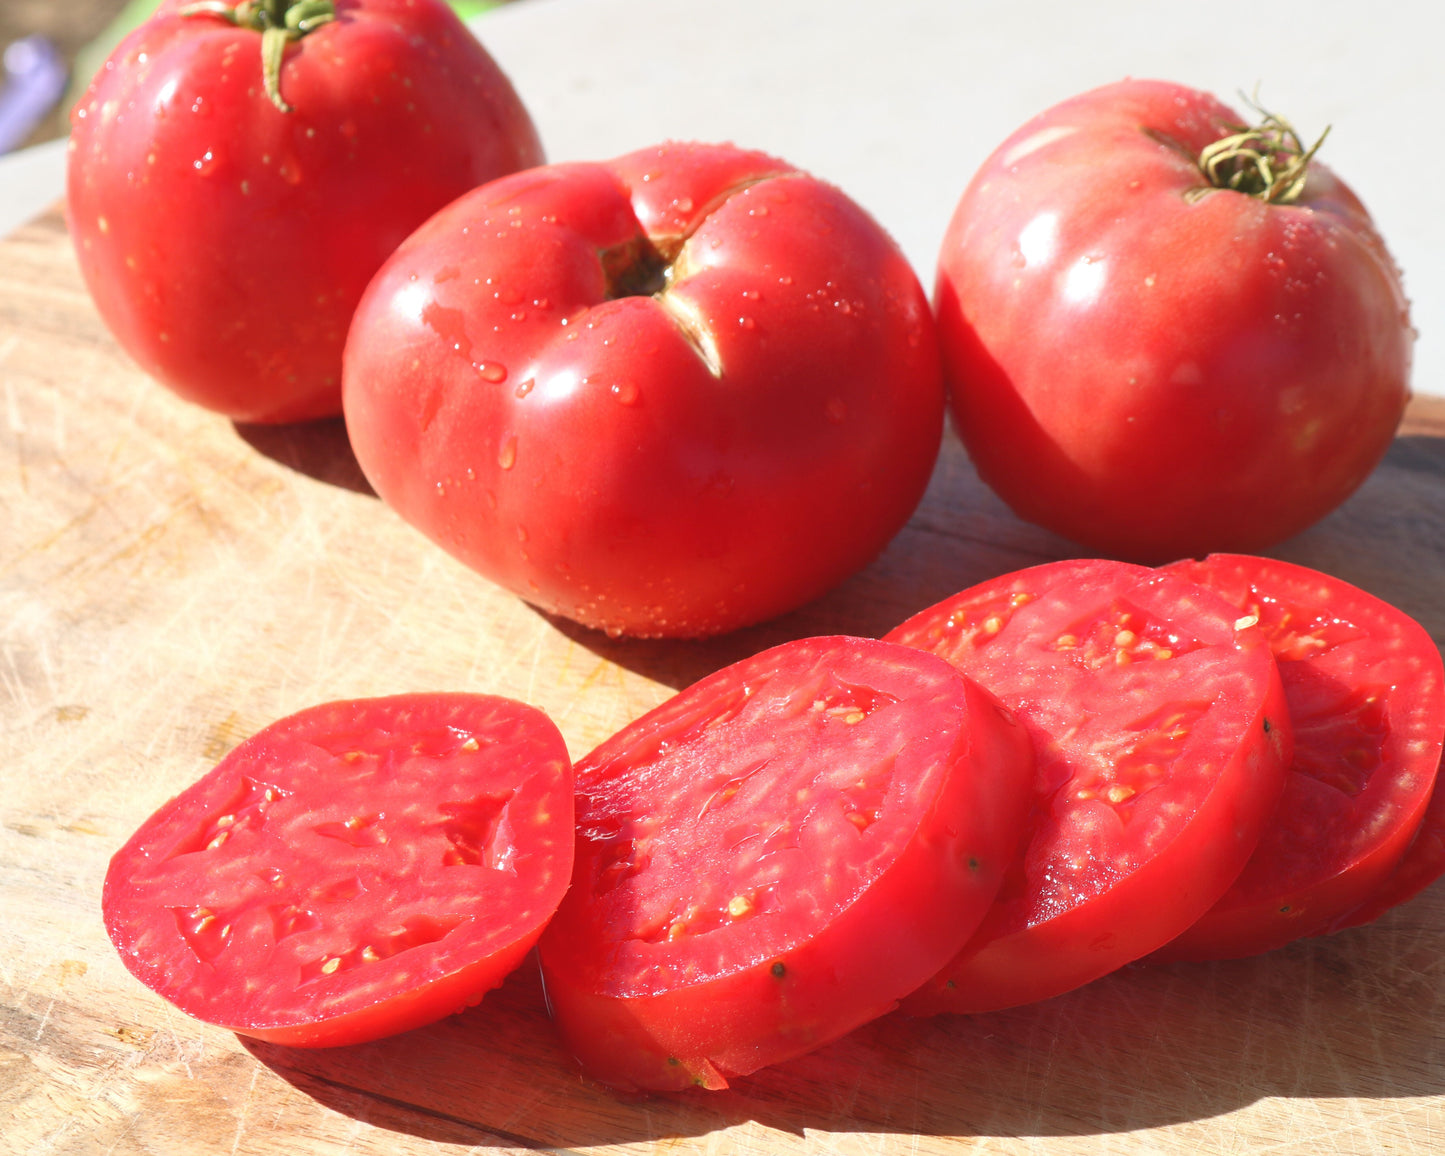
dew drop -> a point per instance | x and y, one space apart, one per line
525 387
785 280
751 294
683 204
507 455
625 392
747 323
493 371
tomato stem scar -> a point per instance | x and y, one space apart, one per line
278 21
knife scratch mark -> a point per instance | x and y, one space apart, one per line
245 1107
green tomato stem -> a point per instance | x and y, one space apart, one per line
278 21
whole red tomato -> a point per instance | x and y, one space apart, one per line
670 395
226 241
1157 343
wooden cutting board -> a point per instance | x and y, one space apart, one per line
170 583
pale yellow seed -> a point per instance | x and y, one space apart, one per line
1163 652
992 624
1067 642
471 744
1247 621
1118 793
225 820
368 953
738 906
218 840
330 966
853 718
1125 638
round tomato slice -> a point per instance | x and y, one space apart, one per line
352 871
1421 865
776 855
1162 736
1366 701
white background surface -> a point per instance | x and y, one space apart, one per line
899 101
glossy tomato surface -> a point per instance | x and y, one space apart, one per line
1422 864
1162 737
670 395
226 242
1154 367
1366 699
352 871
777 855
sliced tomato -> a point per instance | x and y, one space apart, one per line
1364 685
352 871
1162 736
776 855
1422 864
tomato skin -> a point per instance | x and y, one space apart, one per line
225 242
746 783
708 452
1154 376
1194 741
355 870
1366 694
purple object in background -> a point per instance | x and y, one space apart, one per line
34 81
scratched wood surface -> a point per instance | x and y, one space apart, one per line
170 583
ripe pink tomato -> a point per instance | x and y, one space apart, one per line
776 855
352 871
226 242
1153 366
670 395
1366 697
1162 736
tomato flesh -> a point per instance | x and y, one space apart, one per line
352 871
776 855
1161 736
1366 699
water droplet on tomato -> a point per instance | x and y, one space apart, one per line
752 294
525 387
683 204
205 161
747 323
625 392
493 371
507 455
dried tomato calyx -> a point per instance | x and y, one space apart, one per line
1268 162
278 21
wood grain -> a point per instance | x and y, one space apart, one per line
170 583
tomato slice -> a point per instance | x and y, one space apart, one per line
776 855
1364 685
1161 734
1422 864
352 871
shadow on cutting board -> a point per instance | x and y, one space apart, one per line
1353 1016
